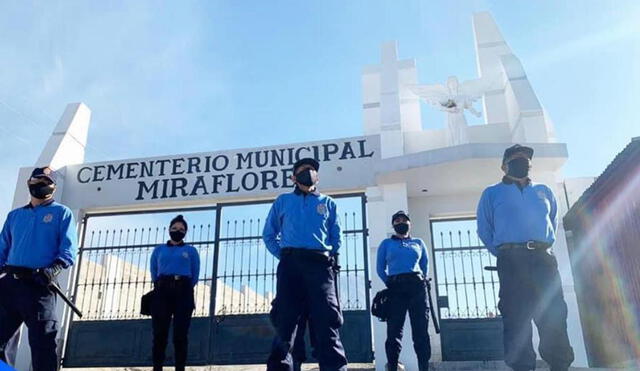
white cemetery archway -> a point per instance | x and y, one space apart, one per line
396 164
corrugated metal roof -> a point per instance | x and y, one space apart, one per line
629 156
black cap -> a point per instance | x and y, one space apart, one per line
306 161
399 214
516 148
45 172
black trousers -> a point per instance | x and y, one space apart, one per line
299 351
171 301
25 301
307 283
408 296
530 289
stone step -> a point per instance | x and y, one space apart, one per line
435 366
497 365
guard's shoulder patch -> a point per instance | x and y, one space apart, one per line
47 218
321 209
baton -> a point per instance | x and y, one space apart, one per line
491 268
57 290
431 308
336 270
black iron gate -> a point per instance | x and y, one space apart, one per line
233 298
467 293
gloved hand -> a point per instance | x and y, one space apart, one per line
45 276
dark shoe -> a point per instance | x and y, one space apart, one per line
397 367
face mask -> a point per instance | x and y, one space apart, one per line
518 167
305 178
176 236
401 228
40 190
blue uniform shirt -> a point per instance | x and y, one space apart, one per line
35 237
508 214
304 221
178 260
401 255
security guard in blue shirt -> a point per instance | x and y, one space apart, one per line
402 264
37 242
175 268
303 231
517 222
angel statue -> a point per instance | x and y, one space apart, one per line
454 98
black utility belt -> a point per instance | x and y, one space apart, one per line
406 277
529 245
20 273
165 278
302 252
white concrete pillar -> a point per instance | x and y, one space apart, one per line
66 146
382 202
561 251
527 119
389 107
420 213
514 102
490 45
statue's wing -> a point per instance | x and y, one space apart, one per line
474 112
477 87
433 94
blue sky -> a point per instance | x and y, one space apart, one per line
183 77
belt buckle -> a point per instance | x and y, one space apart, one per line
176 278
15 276
530 245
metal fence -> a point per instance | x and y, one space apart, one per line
113 268
352 280
246 271
460 258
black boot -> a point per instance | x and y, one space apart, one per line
297 365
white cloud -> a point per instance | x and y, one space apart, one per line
626 30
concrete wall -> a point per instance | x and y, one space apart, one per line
425 140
